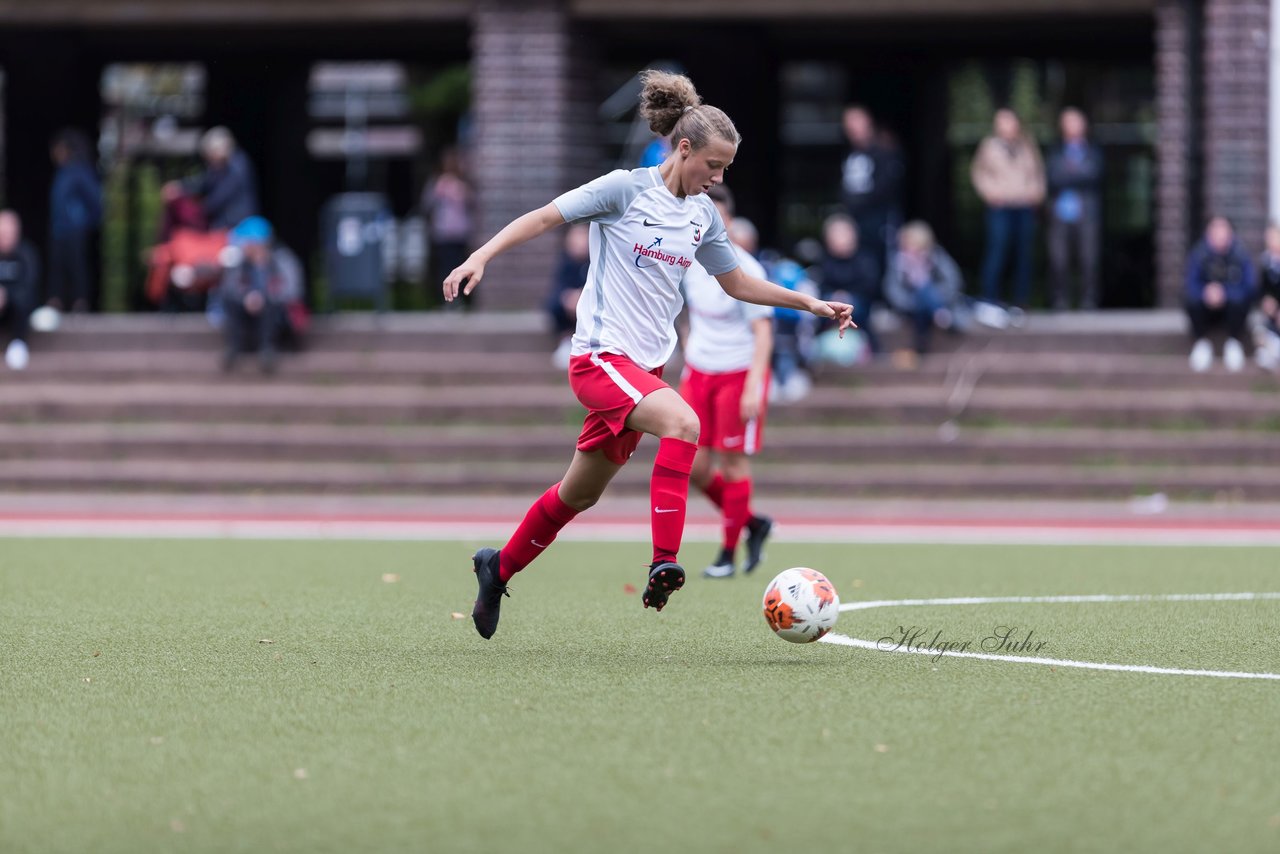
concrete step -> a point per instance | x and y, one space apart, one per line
452 332
288 402
937 481
364 368
480 446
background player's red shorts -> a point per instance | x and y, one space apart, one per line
610 386
717 398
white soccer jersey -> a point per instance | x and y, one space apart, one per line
643 241
720 336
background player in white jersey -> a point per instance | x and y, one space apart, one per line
647 226
726 381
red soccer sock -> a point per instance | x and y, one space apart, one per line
669 495
715 490
737 500
541 524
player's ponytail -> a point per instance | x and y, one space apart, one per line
671 106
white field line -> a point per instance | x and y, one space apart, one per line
845 640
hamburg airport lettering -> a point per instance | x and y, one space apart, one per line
657 256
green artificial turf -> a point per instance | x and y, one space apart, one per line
142 708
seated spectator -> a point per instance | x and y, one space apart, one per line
261 292
566 289
923 282
19 284
1268 339
793 335
850 274
1219 292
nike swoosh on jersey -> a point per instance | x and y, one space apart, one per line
648 224
538 544
660 510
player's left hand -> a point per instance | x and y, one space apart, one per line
750 405
841 312
469 272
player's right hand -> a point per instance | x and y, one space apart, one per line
464 277
841 312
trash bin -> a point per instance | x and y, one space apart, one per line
356 227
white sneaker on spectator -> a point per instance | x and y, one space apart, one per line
1266 351
17 356
1201 356
560 358
1233 356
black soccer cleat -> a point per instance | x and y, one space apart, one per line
489 599
665 578
758 530
723 566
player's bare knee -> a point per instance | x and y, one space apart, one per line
684 426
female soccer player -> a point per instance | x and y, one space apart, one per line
726 381
647 226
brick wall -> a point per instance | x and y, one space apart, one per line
1175 157
534 132
1235 114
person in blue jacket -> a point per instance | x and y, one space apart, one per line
1219 292
75 211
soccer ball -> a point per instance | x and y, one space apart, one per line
801 605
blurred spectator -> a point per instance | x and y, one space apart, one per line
793 335
1219 293
19 284
447 203
75 211
923 282
227 189
1009 176
181 213
743 234
850 273
871 182
1074 172
571 275
655 152
1267 343
182 271
261 292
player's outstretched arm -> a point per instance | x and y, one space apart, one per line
522 229
737 284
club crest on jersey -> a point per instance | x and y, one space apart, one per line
697 231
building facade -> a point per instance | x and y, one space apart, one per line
1177 89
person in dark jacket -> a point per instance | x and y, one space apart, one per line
566 289
228 187
257 292
1074 175
75 212
19 284
850 272
871 183
1219 292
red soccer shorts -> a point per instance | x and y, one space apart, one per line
717 399
610 386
